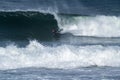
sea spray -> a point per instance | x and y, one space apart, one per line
99 26
64 56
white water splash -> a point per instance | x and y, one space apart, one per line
64 56
100 26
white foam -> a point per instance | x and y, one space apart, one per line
64 56
100 26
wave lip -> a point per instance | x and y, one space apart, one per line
64 56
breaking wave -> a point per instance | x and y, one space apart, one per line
63 56
99 26
38 25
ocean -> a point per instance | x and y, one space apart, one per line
60 40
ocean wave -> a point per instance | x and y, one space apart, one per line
63 56
99 26
39 25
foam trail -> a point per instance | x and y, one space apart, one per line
64 56
100 26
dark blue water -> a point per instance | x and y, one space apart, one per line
59 40
53 74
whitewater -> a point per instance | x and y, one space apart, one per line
62 57
100 26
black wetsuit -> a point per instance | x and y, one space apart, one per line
56 33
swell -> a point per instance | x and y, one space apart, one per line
27 25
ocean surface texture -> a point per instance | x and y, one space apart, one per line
59 39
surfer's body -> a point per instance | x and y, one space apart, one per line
56 33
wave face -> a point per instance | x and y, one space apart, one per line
26 25
64 56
